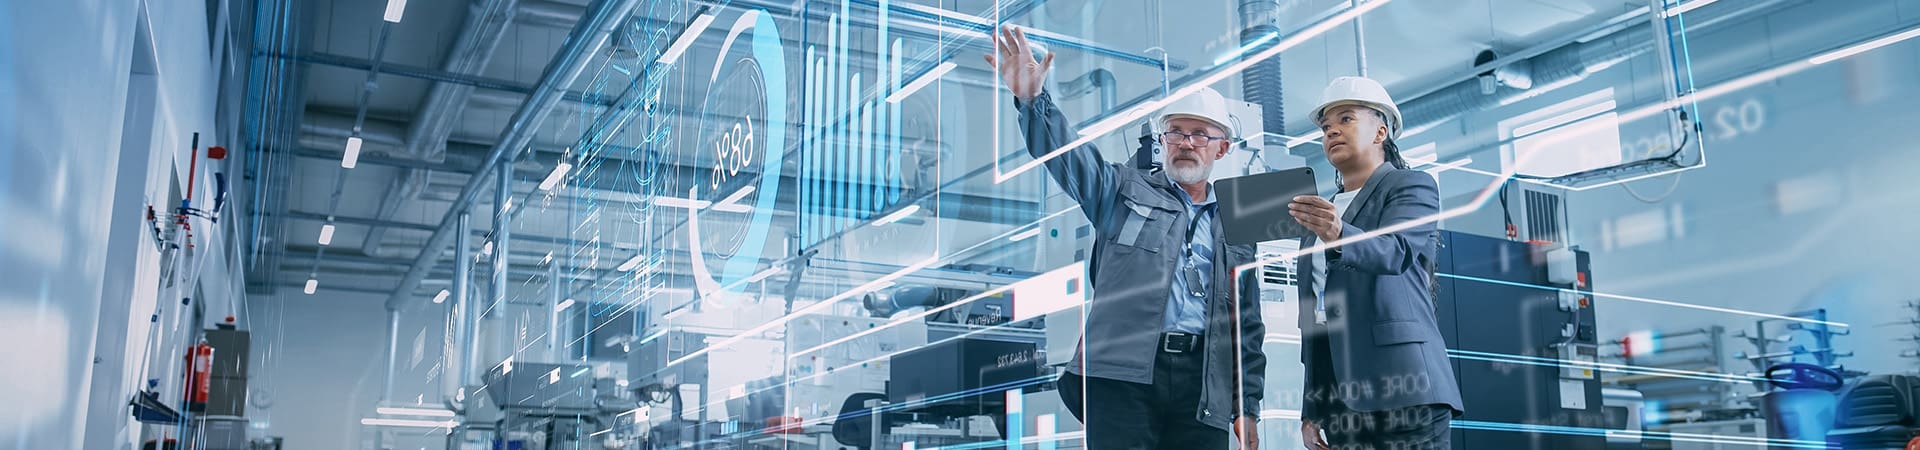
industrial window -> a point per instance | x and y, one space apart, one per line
1567 137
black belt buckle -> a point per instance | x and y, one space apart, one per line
1177 342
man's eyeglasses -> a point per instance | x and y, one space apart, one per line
1197 140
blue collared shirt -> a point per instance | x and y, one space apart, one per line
1187 313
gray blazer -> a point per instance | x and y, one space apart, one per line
1386 348
1140 225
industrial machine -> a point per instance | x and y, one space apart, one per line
551 406
1624 420
1702 349
1536 367
1881 411
1726 430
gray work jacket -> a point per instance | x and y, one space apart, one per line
1141 225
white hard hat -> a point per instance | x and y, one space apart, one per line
1207 105
1359 91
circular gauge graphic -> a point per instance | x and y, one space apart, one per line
731 120
742 145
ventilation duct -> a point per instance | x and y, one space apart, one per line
1261 83
1550 70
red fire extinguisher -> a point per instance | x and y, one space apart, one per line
199 376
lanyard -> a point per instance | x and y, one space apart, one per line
1193 272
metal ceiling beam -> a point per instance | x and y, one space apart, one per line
486 23
554 14
422 73
382 160
586 39
373 222
967 207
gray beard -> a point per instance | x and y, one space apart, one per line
1187 175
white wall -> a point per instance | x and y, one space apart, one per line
322 360
75 260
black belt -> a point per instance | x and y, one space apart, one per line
1175 342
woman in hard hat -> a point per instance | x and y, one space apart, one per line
1377 370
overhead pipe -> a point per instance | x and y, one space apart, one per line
1359 41
585 40
1554 65
1260 84
463 310
502 256
1099 81
422 73
393 354
554 14
1552 69
337 128
427 132
555 335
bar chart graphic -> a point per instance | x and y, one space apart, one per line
850 152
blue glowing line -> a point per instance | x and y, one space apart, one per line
1608 367
1657 435
1641 299
1236 53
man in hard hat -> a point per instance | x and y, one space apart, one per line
1170 357
1377 370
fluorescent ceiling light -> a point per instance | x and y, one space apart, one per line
553 179
563 305
675 314
352 155
409 423
312 284
684 203
1688 6
442 296
395 8
1024 235
429 412
897 215
923 81
686 38
631 263
326 234
1864 47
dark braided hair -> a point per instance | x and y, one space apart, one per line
1392 149
1433 267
